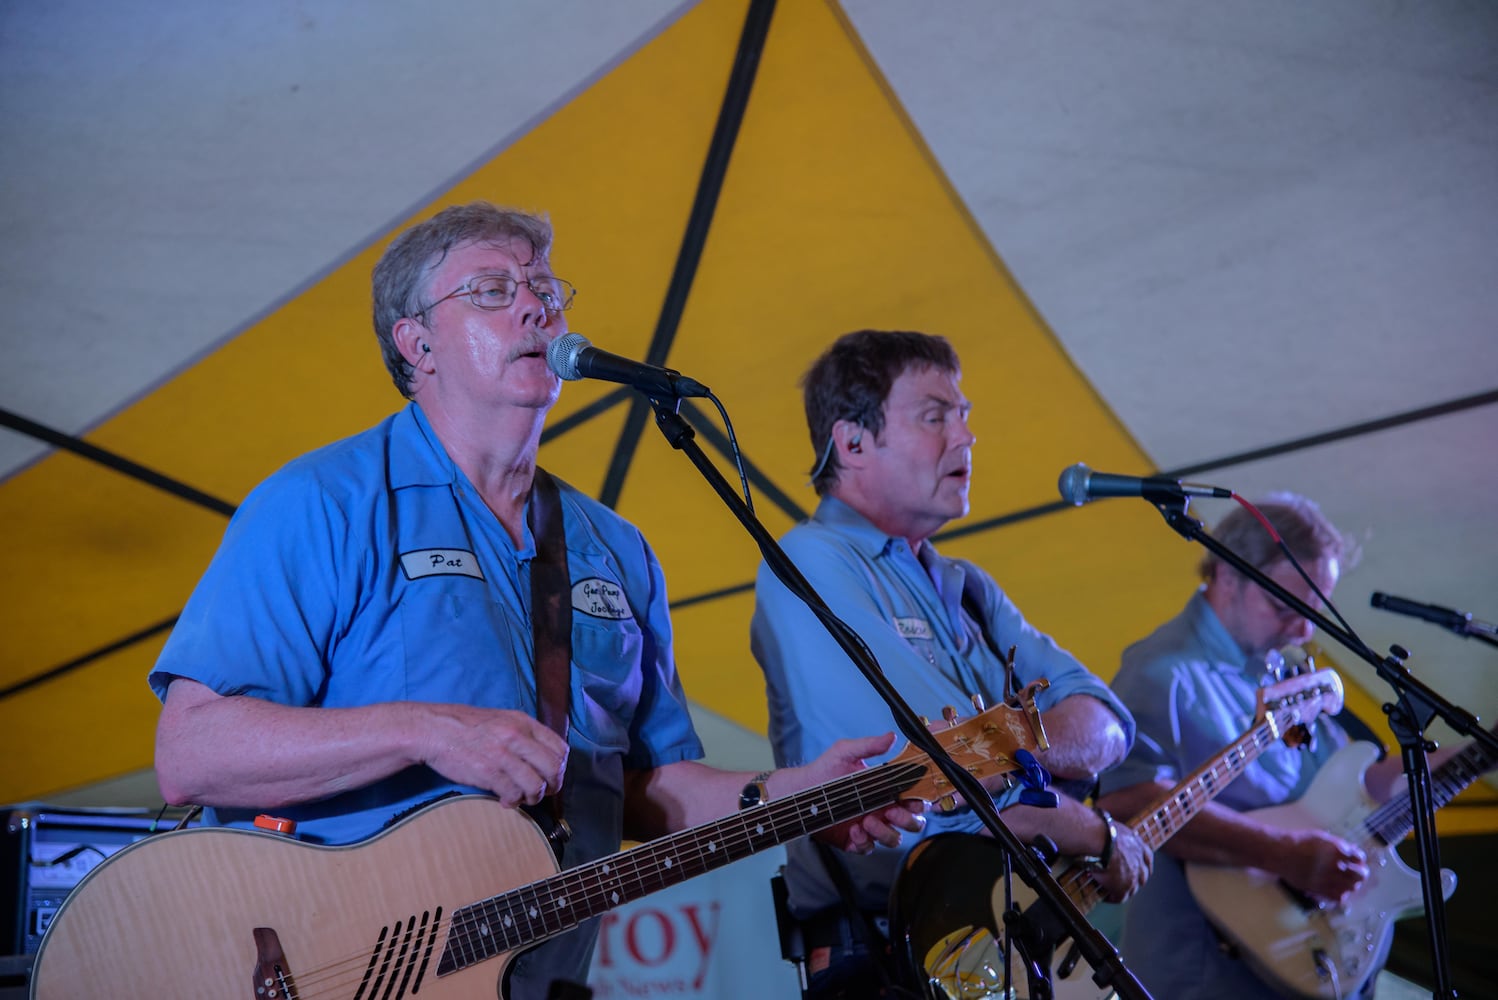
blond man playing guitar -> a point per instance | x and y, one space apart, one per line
1191 686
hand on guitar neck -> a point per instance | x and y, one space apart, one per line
1080 832
857 836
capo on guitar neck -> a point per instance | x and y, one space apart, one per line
1035 782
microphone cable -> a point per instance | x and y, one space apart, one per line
1290 556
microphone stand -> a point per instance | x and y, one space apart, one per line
1094 946
1414 706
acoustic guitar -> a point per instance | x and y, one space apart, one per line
436 907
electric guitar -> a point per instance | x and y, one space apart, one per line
1331 950
229 914
955 943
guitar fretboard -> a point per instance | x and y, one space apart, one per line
1391 822
1166 818
532 913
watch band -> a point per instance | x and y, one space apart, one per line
756 793
1110 836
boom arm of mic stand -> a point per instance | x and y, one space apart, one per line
1482 631
1098 952
1414 707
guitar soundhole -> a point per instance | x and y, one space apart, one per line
398 961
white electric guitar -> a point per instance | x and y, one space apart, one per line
1330 951
949 942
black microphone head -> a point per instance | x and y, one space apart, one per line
561 355
1378 599
1073 484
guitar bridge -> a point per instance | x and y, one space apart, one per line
272 979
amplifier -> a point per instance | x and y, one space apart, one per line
45 852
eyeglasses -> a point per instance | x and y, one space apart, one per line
497 291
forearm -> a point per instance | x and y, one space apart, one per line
1085 737
683 795
1075 829
1385 779
686 794
246 752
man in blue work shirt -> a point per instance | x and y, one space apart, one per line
889 423
362 642
1193 685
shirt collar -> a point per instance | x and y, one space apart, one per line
417 458
834 513
1218 642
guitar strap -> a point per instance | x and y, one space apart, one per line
973 605
551 615
1080 789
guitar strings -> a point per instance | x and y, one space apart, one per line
1394 819
602 884
562 901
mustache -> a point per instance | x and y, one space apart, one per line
531 345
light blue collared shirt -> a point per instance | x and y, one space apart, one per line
908 610
371 571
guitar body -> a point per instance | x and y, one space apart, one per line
1077 983
1284 940
176 915
945 911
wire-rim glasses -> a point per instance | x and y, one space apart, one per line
498 291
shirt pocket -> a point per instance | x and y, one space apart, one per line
606 657
459 645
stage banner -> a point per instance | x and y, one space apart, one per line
712 936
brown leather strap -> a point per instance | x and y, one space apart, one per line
551 611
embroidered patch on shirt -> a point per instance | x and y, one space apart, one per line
913 628
600 599
440 562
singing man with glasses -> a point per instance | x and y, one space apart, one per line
364 641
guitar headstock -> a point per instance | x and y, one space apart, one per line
1297 700
983 745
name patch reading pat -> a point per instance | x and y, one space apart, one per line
440 562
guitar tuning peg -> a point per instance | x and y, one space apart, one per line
978 704
925 721
950 714
946 803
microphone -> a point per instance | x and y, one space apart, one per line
571 357
1459 622
1079 485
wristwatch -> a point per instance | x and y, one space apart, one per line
756 793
